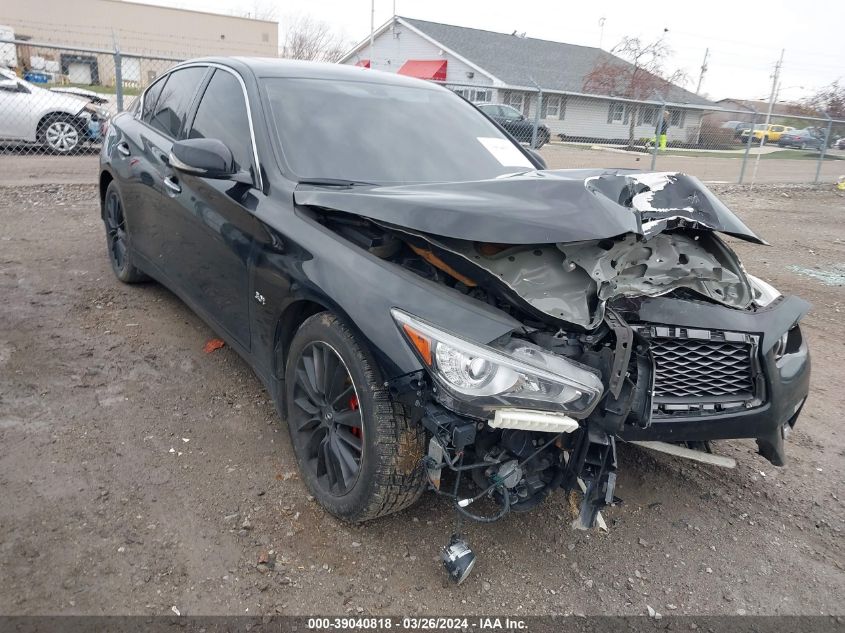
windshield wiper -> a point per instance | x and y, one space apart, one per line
335 182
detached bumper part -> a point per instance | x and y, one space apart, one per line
687 453
532 421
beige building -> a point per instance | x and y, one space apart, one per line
144 33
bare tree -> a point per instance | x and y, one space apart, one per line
634 70
830 99
310 39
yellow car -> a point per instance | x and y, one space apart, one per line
767 133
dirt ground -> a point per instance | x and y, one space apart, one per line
139 473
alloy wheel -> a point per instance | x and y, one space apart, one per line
61 136
327 419
116 230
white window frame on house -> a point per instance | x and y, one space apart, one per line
677 118
481 95
613 109
554 107
551 106
647 115
516 100
474 95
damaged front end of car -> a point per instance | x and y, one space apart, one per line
637 322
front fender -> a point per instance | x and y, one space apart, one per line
309 262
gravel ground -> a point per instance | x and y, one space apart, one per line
139 473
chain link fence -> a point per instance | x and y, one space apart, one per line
715 144
57 99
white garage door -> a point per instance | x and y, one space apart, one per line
79 73
131 69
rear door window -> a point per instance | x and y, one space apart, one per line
150 99
175 99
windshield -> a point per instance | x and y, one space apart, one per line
382 133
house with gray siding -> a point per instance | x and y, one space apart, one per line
489 67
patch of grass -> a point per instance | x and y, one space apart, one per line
799 154
695 154
106 90
567 145
790 154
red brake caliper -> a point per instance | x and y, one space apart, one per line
353 404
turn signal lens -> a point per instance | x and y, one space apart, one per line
420 342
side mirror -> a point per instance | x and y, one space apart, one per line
208 158
9 85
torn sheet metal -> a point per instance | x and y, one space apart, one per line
633 268
538 207
670 199
572 282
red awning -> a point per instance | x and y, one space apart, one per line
425 69
364 63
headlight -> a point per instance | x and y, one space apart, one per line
477 379
764 293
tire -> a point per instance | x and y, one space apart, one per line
61 134
117 238
542 139
387 447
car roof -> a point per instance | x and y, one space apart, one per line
268 67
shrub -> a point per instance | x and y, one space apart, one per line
716 137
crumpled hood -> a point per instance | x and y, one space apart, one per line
540 207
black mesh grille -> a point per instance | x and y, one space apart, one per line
687 368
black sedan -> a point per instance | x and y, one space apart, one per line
808 138
515 123
419 295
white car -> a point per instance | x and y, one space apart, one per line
58 120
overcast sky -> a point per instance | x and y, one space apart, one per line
745 37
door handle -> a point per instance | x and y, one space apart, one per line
172 186
123 148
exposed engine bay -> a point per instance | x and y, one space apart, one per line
650 245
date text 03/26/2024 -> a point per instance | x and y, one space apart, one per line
416 624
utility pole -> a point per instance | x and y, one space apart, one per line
775 86
601 32
772 97
703 70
